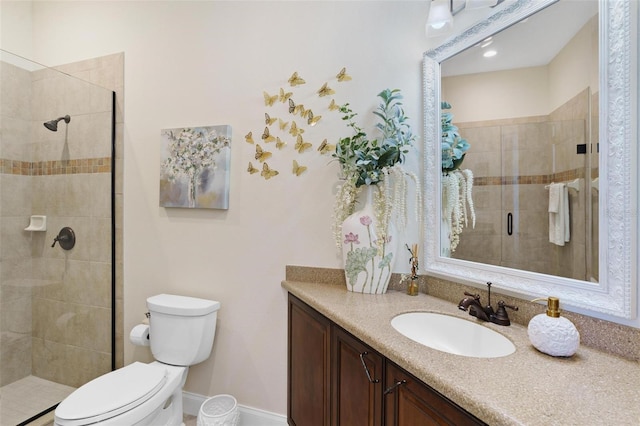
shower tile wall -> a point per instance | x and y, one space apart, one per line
512 161
15 208
68 176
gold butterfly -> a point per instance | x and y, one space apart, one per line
343 76
296 80
261 155
304 112
312 121
294 130
292 107
252 169
299 109
268 173
266 136
298 169
325 90
279 143
333 105
268 120
301 146
249 137
283 97
268 99
282 124
326 147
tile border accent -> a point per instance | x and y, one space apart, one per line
56 167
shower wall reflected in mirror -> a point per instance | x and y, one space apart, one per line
56 305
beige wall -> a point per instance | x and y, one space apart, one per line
198 63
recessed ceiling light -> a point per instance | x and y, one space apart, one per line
486 43
489 53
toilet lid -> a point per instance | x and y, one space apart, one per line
113 393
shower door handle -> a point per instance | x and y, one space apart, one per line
509 223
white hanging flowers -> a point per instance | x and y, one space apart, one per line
457 203
457 185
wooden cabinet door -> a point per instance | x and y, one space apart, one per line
409 402
308 393
356 379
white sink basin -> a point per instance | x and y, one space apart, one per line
453 335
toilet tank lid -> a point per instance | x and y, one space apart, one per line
181 305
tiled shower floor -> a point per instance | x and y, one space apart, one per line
27 397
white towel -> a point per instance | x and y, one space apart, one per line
555 195
559 222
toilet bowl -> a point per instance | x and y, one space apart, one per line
181 333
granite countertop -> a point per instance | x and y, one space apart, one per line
524 388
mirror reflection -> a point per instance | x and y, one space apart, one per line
526 102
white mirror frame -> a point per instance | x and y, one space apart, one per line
615 295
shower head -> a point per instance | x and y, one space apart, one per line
53 124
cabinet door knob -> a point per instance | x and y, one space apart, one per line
366 369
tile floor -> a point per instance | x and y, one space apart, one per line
27 397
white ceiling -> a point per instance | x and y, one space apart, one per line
534 41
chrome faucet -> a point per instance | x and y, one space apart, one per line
486 313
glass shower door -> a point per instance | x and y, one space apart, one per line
55 303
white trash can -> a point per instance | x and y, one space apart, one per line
219 410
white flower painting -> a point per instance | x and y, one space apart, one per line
194 168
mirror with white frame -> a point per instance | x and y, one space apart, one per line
608 291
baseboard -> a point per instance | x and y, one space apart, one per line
249 416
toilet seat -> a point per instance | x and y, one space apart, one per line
112 394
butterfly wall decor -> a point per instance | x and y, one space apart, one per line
313 120
296 80
294 130
325 90
284 96
268 99
298 169
249 137
268 120
266 136
252 169
268 173
301 146
342 75
326 148
262 155
307 120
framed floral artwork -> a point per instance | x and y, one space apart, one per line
194 167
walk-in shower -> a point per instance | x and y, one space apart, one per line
53 124
56 305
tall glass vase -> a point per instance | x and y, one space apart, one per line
368 257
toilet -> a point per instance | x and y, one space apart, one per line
181 333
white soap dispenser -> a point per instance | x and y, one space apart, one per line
552 334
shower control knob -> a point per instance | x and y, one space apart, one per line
66 238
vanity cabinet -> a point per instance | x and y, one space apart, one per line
356 381
335 379
409 402
308 366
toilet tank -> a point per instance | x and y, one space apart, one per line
181 328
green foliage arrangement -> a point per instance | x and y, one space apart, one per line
364 161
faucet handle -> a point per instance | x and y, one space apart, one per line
501 317
475 296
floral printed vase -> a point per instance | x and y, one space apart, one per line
367 264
